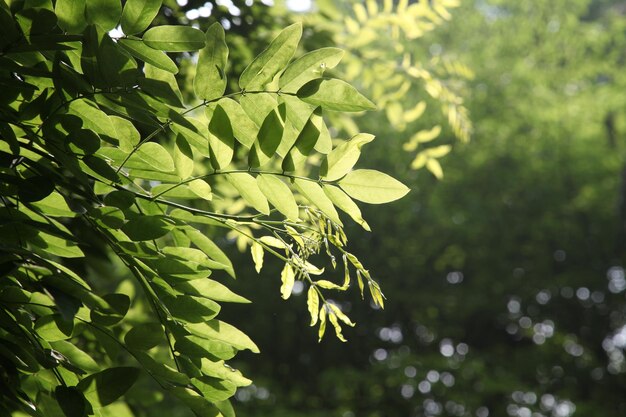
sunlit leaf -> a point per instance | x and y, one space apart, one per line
313 301
71 15
287 277
221 139
104 13
210 80
174 38
256 250
249 190
273 59
314 193
138 14
374 187
334 94
341 159
308 67
152 56
345 203
279 194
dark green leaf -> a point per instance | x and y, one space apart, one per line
118 307
147 227
71 401
103 388
145 336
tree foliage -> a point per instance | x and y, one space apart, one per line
118 192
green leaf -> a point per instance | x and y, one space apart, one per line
193 255
156 156
117 309
194 132
121 199
374 187
334 94
71 401
214 389
192 309
249 191
183 158
162 86
297 115
302 148
210 80
104 13
308 67
221 139
201 406
127 134
341 159
103 388
145 336
244 129
279 194
140 50
174 38
71 15
200 347
258 106
218 330
314 193
272 60
324 142
76 356
210 289
138 14
53 327
57 246
269 138
147 227
160 370
218 369
345 203
206 245
54 205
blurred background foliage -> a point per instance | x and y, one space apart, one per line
505 283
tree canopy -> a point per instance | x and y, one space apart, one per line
119 193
